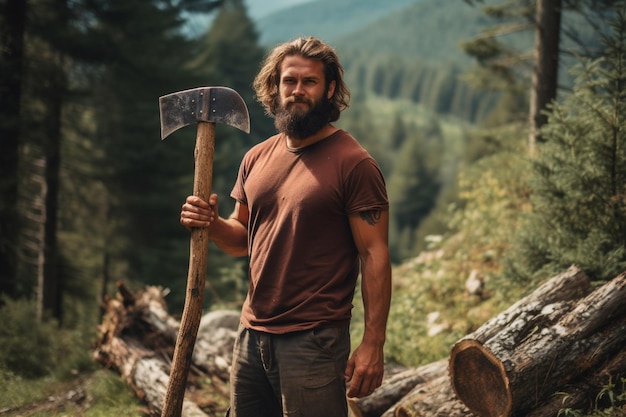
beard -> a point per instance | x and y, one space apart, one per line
300 124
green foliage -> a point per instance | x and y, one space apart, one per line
31 348
413 187
579 179
28 347
441 90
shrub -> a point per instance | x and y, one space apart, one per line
28 346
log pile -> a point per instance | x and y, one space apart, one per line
137 336
563 337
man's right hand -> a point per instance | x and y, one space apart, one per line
198 213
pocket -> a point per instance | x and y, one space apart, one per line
335 341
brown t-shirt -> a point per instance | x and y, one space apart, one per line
303 260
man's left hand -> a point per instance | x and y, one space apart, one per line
365 370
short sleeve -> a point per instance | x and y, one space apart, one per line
365 188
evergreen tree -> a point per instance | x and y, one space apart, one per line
579 179
230 55
358 121
143 55
546 59
12 29
398 133
413 188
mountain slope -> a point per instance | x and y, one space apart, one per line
430 30
258 9
327 19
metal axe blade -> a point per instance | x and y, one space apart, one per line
203 104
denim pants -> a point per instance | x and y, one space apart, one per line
298 374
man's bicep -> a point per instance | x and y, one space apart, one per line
370 228
240 213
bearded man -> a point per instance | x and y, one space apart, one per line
312 214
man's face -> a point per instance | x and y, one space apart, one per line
304 106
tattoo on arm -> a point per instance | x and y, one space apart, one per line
371 216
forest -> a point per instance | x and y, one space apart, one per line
501 138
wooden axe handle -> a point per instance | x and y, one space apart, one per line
198 257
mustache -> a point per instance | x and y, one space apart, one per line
298 99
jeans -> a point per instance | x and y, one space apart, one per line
298 374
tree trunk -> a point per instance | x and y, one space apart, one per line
545 76
516 369
12 28
54 98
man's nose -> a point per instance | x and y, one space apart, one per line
297 89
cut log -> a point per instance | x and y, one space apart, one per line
433 398
137 336
394 387
515 369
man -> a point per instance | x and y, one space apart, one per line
311 212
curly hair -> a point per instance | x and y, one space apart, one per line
267 80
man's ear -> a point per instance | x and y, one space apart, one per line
331 89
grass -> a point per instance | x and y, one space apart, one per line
101 393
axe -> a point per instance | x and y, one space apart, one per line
205 106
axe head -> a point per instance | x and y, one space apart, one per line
203 104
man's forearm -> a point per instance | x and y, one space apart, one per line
376 290
231 236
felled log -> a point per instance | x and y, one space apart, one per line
436 397
394 387
137 336
433 398
515 369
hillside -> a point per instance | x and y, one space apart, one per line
327 19
430 30
259 9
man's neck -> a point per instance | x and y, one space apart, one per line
324 132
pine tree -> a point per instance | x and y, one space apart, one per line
143 55
413 188
12 28
579 180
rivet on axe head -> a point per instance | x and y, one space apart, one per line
204 106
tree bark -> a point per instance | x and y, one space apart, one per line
545 76
395 387
513 371
432 399
12 28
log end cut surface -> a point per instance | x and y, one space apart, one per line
479 380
